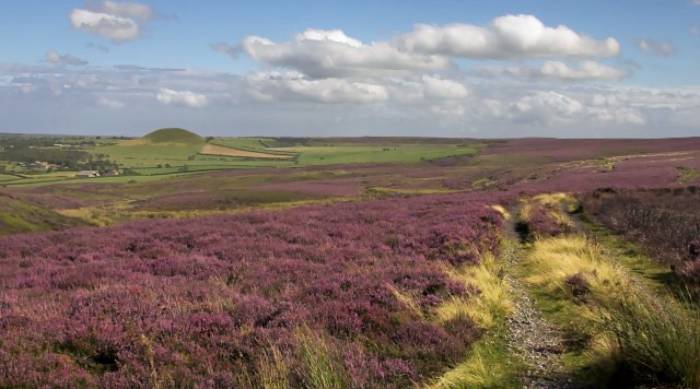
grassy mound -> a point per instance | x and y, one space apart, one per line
173 135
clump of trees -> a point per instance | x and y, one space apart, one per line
64 156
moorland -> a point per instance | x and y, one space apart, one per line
175 260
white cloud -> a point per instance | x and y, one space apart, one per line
110 103
55 58
337 36
588 70
116 21
331 53
182 97
557 70
440 88
548 105
275 86
385 106
510 36
663 49
128 10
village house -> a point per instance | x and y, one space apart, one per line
87 174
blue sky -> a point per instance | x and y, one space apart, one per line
68 81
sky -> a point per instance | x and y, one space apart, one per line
336 68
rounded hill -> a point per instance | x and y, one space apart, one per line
173 135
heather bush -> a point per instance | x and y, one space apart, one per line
546 215
666 222
218 301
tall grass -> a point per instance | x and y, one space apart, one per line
656 338
644 331
489 363
272 369
493 300
321 368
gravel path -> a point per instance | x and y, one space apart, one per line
533 338
537 342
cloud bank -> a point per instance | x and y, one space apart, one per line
514 76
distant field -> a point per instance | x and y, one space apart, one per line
253 152
211 149
403 153
170 152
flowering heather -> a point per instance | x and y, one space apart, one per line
665 221
224 301
563 150
339 187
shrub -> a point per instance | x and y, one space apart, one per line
218 298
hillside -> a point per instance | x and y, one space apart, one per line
21 216
173 135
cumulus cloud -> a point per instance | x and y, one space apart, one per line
117 21
275 86
557 70
662 49
509 36
428 49
182 97
55 58
440 88
331 53
547 106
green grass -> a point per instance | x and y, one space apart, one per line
402 153
687 175
626 325
20 216
174 151
173 135
8 178
322 367
489 362
134 154
250 144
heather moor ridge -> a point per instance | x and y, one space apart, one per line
325 195
425 272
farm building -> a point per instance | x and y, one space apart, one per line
88 174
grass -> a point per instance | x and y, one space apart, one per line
655 338
122 211
687 175
558 206
493 301
173 135
390 153
322 369
20 216
622 326
490 363
272 369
